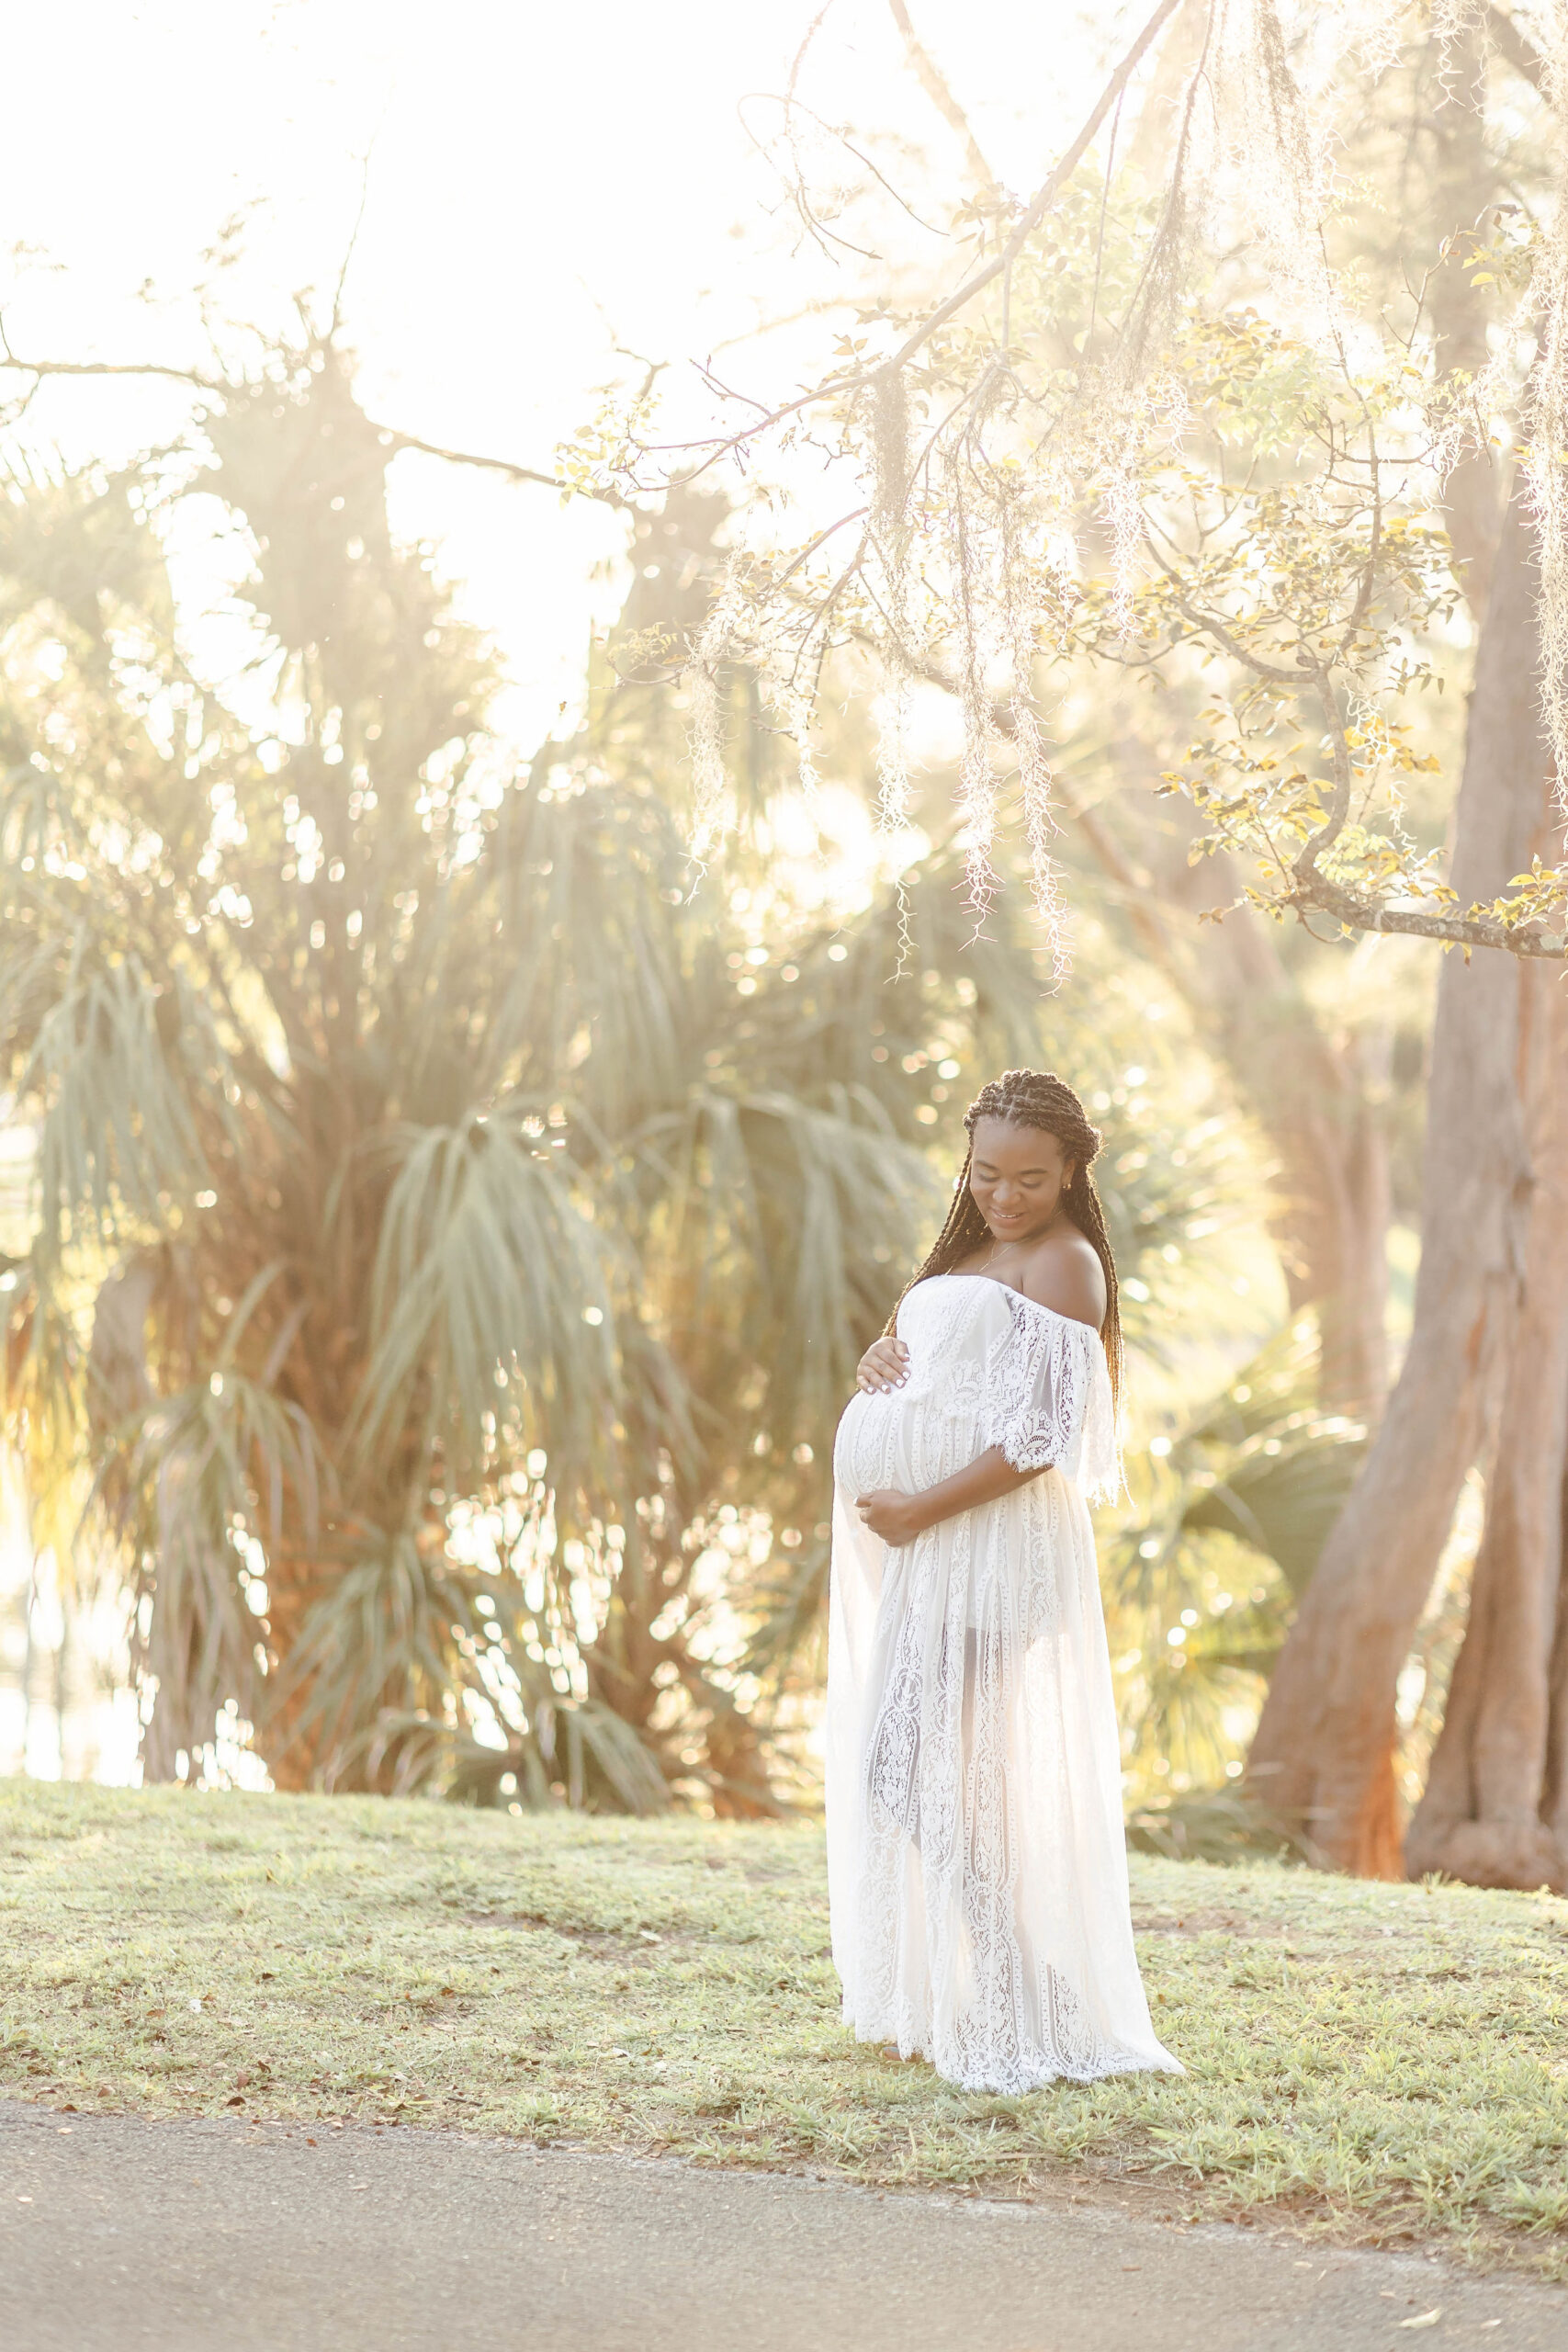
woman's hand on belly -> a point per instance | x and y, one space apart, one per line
896 1518
884 1365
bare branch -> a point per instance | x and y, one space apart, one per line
501 466
221 389
1515 46
935 84
1045 196
41 367
353 237
978 280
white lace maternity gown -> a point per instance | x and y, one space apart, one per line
977 1867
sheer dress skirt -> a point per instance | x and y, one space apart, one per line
977 1865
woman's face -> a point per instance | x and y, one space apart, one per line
1018 1176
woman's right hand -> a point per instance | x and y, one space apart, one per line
884 1365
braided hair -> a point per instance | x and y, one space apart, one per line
1033 1098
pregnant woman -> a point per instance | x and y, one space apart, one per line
978 1866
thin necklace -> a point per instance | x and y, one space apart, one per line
1000 1249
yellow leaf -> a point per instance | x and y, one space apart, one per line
1425 2319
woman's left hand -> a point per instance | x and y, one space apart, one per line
894 1517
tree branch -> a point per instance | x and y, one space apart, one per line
977 282
1329 832
1359 913
221 389
1210 625
1312 891
499 465
41 367
935 82
1517 47
1045 198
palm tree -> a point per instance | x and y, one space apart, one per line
452 1232
397 1129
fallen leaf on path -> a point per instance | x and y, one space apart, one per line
1424 2318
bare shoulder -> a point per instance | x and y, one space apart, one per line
1064 1273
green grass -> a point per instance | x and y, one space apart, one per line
1379 2061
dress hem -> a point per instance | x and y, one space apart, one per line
1125 2062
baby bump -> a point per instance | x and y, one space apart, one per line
891 1439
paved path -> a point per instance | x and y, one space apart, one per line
117 2233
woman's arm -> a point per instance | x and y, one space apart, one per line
898 1519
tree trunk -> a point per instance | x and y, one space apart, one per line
1554 1794
1465 179
1319 1101
1487 1813
1324 1751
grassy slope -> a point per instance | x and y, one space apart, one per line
1386 2061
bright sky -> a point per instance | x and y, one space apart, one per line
545 182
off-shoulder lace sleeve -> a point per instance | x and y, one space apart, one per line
1048 1401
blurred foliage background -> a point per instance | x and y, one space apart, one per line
442 1228
438 1224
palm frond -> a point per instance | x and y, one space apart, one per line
485 1266
784 1225
791 1608
1202 1575
114 1066
839 1201
1214 1826
199 1470
1282 1492
375 1644
371 1681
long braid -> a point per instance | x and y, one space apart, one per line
1034 1098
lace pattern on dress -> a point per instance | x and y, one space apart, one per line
976 1855
1048 1402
